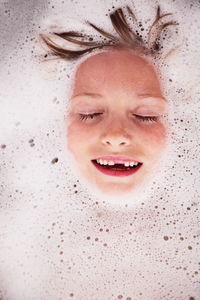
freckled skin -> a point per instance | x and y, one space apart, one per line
118 76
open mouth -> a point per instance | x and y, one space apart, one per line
111 168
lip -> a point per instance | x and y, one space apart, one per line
117 159
116 173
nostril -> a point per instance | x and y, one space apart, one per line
116 141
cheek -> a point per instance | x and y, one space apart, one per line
154 139
79 137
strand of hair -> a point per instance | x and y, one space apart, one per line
131 13
163 26
104 33
66 53
158 18
66 37
156 45
70 33
122 28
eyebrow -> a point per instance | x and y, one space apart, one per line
88 95
96 95
144 96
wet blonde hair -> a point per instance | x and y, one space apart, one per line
126 36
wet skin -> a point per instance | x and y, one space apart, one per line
116 110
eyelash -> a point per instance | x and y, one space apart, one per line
89 116
85 117
147 118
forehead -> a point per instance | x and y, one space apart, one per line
116 69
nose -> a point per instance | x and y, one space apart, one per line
116 138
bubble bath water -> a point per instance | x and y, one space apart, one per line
58 239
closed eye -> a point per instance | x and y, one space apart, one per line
92 116
146 118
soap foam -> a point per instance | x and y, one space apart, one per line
59 240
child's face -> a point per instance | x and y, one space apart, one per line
115 131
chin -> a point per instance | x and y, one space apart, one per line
118 196
115 190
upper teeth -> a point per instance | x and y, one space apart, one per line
112 163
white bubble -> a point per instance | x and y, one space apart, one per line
58 238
